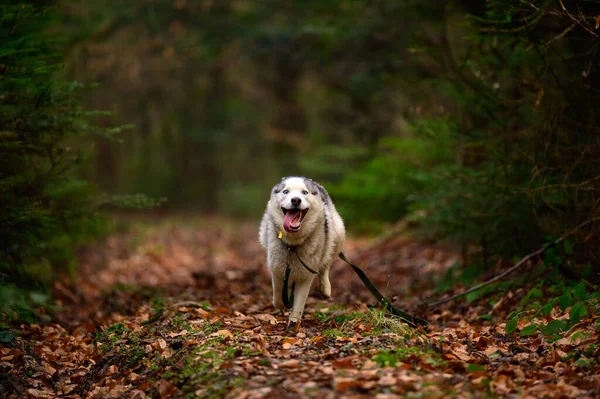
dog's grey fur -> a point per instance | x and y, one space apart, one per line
318 242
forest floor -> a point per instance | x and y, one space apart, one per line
183 309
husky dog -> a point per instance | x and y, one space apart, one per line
300 216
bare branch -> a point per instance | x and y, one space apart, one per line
515 267
591 32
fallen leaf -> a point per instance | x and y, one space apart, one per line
179 334
461 353
222 333
166 389
369 365
343 384
38 393
387 380
49 369
345 363
290 364
160 345
266 317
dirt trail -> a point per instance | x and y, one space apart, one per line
173 311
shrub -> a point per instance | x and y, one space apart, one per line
44 208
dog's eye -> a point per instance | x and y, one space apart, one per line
286 192
305 192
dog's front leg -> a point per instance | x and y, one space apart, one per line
300 295
324 284
277 279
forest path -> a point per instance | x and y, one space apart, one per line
180 309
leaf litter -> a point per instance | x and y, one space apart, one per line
185 311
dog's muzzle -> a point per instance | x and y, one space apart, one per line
292 219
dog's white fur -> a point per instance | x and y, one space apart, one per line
318 242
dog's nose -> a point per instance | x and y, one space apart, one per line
296 201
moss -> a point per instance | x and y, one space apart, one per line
394 357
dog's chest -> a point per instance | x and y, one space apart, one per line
301 261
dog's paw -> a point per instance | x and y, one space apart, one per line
278 305
294 325
325 288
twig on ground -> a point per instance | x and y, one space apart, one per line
154 318
515 267
189 304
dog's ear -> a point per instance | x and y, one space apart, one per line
277 189
317 189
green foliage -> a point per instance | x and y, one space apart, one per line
573 296
555 328
523 133
478 116
473 368
40 200
17 303
528 330
110 336
131 201
577 312
386 359
45 209
384 187
42 203
6 337
511 325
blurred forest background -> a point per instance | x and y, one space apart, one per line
477 118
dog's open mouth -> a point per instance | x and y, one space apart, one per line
292 219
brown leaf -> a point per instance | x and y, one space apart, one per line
369 365
461 353
112 369
166 389
501 385
345 363
266 317
388 380
49 369
222 333
173 335
597 22
290 364
343 384
160 345
38 393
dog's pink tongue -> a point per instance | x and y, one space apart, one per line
290 217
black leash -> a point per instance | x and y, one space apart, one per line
408 319
289 301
